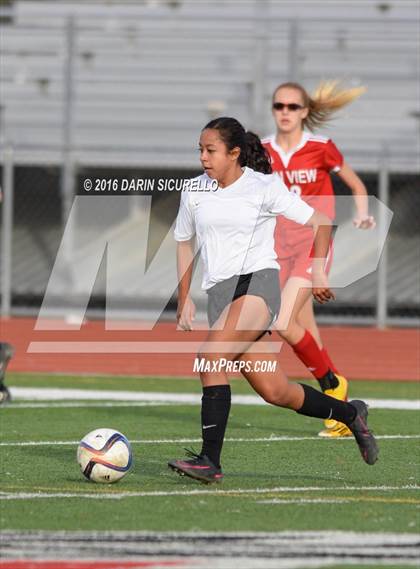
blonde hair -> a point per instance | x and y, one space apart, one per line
327 99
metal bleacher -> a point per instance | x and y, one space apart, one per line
147 76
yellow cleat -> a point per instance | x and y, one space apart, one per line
330 423
338 430
340 392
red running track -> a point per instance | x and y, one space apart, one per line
359 353
29 564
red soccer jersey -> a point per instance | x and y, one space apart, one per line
306 171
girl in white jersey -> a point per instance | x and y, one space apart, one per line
234 228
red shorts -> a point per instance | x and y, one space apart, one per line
297 261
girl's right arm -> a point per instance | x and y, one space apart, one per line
186 308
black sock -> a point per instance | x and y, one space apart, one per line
215 407
317 404
328 381
6 353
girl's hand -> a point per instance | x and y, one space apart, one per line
320 289
364 222
185 315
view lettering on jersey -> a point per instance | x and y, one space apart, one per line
299 176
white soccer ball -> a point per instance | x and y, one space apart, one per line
104 456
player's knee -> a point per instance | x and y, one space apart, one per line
206 356
283 321
275 395
285 333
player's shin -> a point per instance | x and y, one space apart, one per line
215 408
317 404
308 352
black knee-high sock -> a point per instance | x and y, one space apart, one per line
317 404
215 407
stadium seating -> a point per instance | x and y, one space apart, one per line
146 77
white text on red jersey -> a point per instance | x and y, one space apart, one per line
299 176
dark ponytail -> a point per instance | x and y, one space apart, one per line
253 154
257 156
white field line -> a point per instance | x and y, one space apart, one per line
63 394
218 492
100 405
299 501
312 537
271 439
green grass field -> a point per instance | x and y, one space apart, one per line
300 482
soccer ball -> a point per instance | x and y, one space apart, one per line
104 456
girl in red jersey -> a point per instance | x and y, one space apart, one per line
304 161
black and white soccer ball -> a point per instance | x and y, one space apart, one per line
104 456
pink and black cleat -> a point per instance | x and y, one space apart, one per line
198 467
364 438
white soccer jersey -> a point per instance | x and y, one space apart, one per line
235 225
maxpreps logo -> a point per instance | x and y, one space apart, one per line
81 263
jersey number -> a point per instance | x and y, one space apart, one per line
295 189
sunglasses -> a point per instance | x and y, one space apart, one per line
290 107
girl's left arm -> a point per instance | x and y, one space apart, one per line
362 220
321 225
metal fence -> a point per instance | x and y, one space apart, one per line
35 218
